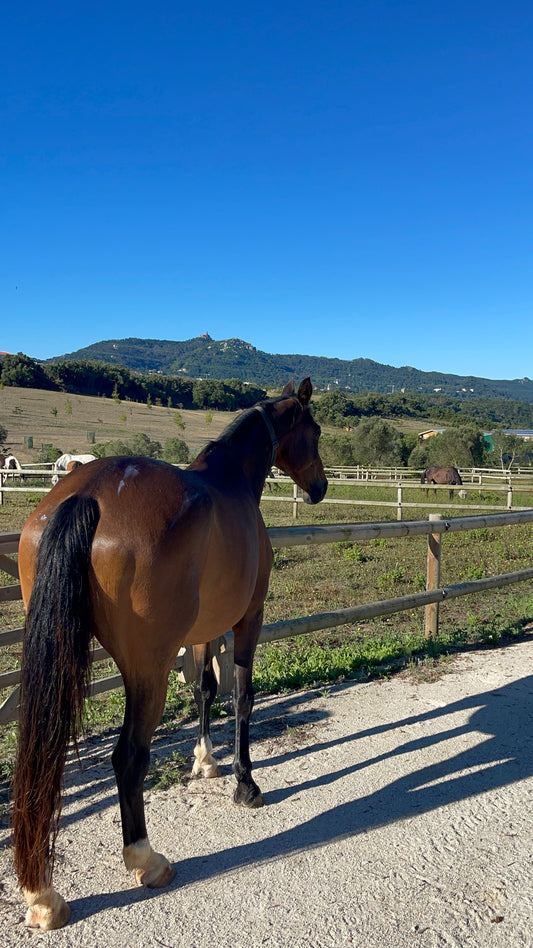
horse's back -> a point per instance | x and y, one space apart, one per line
168 551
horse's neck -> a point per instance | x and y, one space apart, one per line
245 449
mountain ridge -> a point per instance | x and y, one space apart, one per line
204 357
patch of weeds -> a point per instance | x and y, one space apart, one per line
428 668
474 623
180 703
281 558
419 581
474 572
104 710
391 578
167 773
380 542
6 775
351 552
219 708
7 768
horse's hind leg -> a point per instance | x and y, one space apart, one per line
247 792
145 701
205 689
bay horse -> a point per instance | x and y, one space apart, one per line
441 475
147 558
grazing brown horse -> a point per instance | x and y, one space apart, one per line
441 475
147 558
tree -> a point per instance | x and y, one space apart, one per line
175 451
336 450
22 371
48 454
377 443
139 445
334 408
505 448
460 446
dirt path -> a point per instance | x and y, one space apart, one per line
399 815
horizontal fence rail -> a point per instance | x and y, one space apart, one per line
301 536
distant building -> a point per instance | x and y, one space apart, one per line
525 433
424 435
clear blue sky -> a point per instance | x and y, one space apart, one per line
331 178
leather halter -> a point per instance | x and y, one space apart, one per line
271 431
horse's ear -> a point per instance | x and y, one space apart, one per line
289 389
305 391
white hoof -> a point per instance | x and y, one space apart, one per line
152 869
205 764
47 910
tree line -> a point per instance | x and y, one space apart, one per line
79 377
373 441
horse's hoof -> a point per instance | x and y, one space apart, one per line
247 796
47 911
205 770
157 875
205 764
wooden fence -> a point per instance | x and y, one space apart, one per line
399 479
440 490
302 536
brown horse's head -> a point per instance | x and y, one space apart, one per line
297 453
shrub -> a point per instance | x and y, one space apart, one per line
175 451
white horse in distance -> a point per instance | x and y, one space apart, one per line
68 462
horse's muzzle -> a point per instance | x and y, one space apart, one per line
315 492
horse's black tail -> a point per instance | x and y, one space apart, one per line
55 676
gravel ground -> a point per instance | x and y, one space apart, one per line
398 815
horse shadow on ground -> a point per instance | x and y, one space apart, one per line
504 716
89 780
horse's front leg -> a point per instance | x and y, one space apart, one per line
205 689
246 633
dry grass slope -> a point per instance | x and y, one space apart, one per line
26 412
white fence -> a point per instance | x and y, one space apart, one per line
302 536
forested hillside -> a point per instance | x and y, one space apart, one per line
203 357
337 407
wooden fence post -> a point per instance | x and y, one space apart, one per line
223 663
295 502
433 578
510 497
399 509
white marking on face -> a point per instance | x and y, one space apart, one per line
44 517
